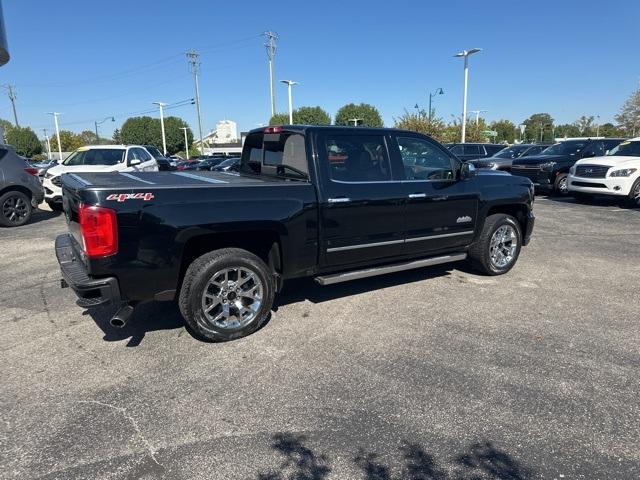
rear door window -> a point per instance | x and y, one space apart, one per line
357 158
279 153
473 150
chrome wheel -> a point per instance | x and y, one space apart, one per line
15 209
563 186
232 298
503 246
636 194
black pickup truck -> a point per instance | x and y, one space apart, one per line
334 203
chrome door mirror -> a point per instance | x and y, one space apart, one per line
467 170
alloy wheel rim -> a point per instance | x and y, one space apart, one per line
503 245
636 194
14 209
232 298
563 185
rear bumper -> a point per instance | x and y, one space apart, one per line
91 292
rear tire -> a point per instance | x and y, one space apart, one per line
15 209
226 294
498 248
634 195
561 186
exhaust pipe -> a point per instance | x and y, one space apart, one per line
121 317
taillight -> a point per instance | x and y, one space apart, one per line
99 229
31 170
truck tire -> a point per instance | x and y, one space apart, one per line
226 294
561 186
634 195
498 248
15 209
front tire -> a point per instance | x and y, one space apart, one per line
226 294
561 186
634 195
498 248
15 209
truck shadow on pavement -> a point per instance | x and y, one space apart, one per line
307 289
478 460
597 202
147 317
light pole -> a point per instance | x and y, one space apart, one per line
478 112
164 140
289 84
55 121
186 141
598 126
465 54
439 91
355 121
417 110
96 123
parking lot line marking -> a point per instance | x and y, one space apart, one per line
128 175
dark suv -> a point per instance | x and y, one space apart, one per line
20 188
504 158
549 170
471 151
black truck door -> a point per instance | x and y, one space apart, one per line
441 210
362 200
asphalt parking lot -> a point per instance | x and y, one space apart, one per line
431 374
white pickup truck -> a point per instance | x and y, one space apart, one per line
616 174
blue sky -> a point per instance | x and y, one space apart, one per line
94 59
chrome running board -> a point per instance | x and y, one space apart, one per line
395 267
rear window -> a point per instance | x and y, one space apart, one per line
275 154
95 156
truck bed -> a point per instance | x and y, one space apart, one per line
155 180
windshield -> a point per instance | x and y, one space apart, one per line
511 152
564 148
629 149
95 156
154 152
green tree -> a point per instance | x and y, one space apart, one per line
88 137
629 117
141 131
69 140
585 126
117 136
24 140
367 115
279 119
506 130
420 122
174 135
539 128
610 130
567 130
311 116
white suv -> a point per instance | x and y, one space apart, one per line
98 158
617 174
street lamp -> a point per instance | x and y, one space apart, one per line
164 140
96 123
465 54
438 91
355 121
186 141
289 84
478 112
55 120
598 126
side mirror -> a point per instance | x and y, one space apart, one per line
134 161
467 170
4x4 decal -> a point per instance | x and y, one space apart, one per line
121 197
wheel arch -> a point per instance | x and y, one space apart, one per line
517 210
17 188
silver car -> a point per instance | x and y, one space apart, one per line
20 188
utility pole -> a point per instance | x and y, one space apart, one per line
271 46
186 141
46 137
11 91
55 120
192 55
164 140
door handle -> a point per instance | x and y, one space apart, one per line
417 195
439 198
338 200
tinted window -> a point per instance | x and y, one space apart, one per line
569 147
95 156
534 150
595 149
473 150
511 152
155 152
272 153
423 160
456 149
631 149
357 158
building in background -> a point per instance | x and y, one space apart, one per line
224 135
